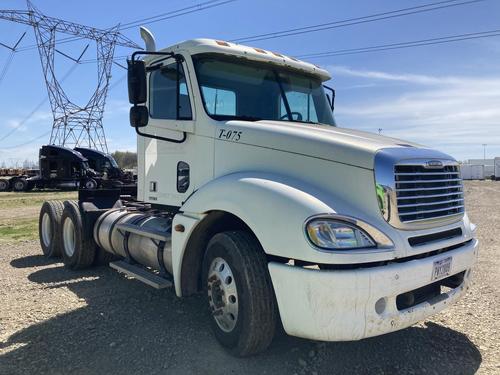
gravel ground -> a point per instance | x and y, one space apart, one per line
57 321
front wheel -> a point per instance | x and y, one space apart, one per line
89 183
240 293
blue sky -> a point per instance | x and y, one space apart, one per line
445 96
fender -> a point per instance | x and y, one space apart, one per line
270 204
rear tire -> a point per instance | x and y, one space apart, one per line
49 224
240 293
19 185
78 248
4 185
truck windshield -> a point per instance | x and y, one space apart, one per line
235 88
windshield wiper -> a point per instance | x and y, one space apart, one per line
242 117
305 122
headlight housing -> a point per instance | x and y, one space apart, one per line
331 234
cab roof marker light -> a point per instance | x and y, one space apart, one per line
222 43
277 54
260 51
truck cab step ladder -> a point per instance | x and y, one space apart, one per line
141 274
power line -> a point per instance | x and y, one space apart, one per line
409 44
161 17
357 20
120 80
384 47
37 107
27 142
181 12
5 68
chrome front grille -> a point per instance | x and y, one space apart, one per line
425 193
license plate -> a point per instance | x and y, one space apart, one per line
441 268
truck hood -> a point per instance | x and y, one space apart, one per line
336 144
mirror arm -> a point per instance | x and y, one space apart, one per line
178 59
184 136
332 102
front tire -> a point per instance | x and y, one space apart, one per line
78 248
240 293
89 184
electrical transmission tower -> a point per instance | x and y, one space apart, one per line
73 125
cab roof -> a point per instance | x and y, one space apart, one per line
60 151
197 46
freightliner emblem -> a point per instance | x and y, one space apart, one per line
434 164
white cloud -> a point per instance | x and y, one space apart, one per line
409 78
116 108
456 114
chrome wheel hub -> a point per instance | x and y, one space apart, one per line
46 229
69 237
222 294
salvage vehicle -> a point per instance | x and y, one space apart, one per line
250 193
60 168
105 164
64 168
9 176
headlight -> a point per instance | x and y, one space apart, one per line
335 234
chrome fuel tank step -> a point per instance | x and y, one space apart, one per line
141 274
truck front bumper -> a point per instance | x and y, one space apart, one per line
344 305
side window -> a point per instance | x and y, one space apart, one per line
302 103
219 102
163 89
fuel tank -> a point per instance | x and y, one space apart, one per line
142 249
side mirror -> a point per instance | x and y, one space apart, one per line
139 116
137 89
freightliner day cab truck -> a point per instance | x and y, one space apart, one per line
249 193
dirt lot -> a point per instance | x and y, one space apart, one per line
57 321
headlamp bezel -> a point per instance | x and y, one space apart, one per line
382 242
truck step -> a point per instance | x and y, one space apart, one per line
145 232
141 274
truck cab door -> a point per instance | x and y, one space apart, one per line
172 159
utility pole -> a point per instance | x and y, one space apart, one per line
73 125
380 131
484 150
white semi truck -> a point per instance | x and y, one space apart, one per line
249 193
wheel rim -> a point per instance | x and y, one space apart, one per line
69 237
19 185
46 230
222 294
89 184
3 185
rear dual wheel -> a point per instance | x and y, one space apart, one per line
240 294
49 223
4 185
19 185
77 245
